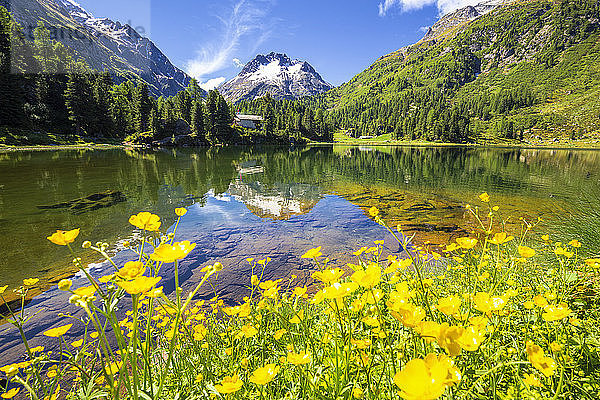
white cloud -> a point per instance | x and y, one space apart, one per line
238 63
423 29
444 6
247 20
212 83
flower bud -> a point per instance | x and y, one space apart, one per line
126 244
218 266
65 285
74 299
87 244
170 235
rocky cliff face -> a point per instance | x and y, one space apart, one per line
277 75
102 43
454 19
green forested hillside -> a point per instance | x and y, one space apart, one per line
526 69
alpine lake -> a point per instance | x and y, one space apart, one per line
277 202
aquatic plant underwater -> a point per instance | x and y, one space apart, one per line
494 316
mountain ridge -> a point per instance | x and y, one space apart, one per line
276 74
103 44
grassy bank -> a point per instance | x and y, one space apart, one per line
539 142
494 316
16 139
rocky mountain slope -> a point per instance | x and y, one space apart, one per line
276 74
499 69
104 44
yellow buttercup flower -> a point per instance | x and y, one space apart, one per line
180 212
536 357
339 290
484 197
146 221
77 343
471 338
369 277
30 281
449 305
526 252
264 375
141 284
299 317
248 331
279 333
313 253
132 269
501 238
556 312
407 313
65 284
300 291
531 380
3 289
58 332
358 393
593 262
300 358
448 337
62 238
466 242
426 379
113 368
373 211
230 384
10 394
168 254
328 276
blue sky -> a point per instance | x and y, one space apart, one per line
212 39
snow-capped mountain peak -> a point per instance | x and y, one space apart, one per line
277 74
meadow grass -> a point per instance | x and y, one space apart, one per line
491 317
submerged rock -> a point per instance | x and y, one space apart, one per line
89 203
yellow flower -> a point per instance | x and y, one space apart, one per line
546 238
407 313
466 242
531 380
313 253
30 281
339 290
593 263
37 349
485 303
62 238
426 379
300 291
132 269
141 284
373 211
58 332
264 375
358 393
296 319
113 368
536 357
361 343
51 373
3 289
556 312
369 277
555 347
10 394
77 343
168 254
575 243
428 330
279 333
540 301
529 304
328 276
65 284
501 238
448 338
146 221
526 252
180 212
471 338
449 305
300 358
248 331
484 197
230 384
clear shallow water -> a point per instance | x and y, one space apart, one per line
424 189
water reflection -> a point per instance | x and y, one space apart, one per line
424 189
